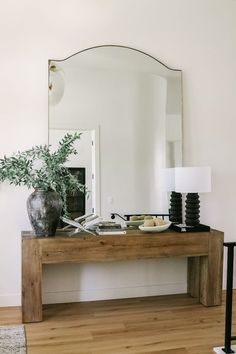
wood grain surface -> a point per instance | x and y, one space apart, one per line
204 250
175 324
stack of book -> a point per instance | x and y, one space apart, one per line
109 228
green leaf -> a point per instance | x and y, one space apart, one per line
19 169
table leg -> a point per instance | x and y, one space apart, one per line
211 271
31 297
193 282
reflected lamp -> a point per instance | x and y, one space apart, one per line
168 185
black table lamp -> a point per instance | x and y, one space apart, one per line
192 181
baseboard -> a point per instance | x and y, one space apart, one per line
113 293
54 297
13 299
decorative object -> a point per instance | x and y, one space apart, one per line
44 210
12 340
192 180
167 178
44 171
134 223
139 218
160 228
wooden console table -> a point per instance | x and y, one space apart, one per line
204 251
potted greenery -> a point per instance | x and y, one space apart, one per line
43 170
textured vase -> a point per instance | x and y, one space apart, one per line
44 210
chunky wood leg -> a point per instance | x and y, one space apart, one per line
211 269
31 297
194 276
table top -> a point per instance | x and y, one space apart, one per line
130 233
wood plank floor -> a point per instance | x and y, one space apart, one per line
175 324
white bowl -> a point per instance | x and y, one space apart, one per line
155 228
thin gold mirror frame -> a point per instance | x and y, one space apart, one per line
107 195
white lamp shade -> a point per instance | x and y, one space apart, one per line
193 179
167 179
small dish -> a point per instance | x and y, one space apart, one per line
155 228
134 222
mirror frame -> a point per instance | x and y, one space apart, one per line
133 49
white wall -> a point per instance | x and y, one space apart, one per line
198 37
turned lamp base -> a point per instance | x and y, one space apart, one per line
175 210
192 209
192 216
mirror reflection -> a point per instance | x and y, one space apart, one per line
128 106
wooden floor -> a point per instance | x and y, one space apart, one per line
174 324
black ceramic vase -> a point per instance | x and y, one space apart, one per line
44 210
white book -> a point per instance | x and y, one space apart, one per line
115 232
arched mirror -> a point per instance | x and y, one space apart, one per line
129 107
